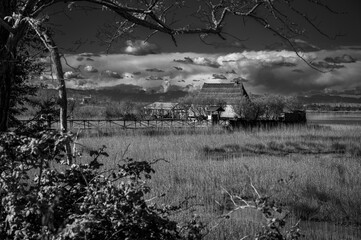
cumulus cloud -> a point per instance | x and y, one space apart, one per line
71 75
140 47
201 61
90 69
178 68
166 85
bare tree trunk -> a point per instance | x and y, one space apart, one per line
5 91
59 73
63 102
6 68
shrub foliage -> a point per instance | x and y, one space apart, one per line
39 201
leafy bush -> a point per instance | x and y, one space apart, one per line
80 202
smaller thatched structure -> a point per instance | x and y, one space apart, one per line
166 110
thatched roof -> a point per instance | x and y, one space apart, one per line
161 105
230 93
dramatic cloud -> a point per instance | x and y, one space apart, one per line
281 72
166 84
90 69
71 75
140 47
201 61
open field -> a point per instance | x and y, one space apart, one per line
312 171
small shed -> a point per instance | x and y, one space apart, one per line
166 110
229 113
86 100
294 116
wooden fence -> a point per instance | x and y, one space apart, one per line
130 124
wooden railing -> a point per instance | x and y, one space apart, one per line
130 124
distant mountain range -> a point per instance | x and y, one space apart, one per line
124 92
128 93
326 98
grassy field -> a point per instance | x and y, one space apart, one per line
313 171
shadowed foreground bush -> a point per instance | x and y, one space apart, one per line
44 198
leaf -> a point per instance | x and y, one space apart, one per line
104 154
93 152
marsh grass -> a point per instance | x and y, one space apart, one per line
312 171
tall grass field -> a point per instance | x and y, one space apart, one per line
313 172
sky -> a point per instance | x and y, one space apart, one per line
260 60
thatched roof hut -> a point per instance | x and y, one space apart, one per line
228 93
225 95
